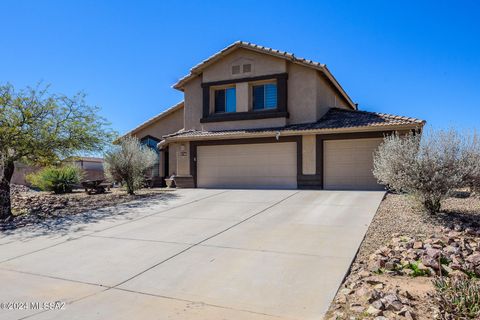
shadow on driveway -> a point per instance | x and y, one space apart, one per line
31 226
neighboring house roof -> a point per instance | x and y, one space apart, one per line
85 159
90 159
155 118
335 118
197 70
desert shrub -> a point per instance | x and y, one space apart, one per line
1 166
472 163
458 298
57 179
127 163
429 167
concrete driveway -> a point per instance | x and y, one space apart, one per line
192 254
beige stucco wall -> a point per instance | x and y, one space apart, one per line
193 97
183 158
243 97
327 97
309 94
302 97
20 173
169 124
245 124
309 154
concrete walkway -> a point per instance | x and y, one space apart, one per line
192 254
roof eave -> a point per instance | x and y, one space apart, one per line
159 116
402 127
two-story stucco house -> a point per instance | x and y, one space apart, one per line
254 117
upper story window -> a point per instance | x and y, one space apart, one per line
225 100
264 96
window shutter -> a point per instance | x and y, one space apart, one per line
231 100
270 96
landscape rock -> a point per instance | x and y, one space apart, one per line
395 264
430 262
474 258
341 299
356 307
458 274
418 245
392 302
373 311
435 255
378 304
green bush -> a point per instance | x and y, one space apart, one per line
417 272
458 298
56 179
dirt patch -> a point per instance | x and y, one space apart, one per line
392 292
30 206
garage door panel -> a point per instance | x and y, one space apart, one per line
247 165
348 164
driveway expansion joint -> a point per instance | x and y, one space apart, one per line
208 238
117 225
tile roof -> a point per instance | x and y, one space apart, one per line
82 158
196 70
334 119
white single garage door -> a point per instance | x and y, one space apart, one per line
262 165
348 164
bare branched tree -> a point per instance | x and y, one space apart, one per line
128 162
471 161
430 166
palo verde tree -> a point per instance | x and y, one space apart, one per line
38 127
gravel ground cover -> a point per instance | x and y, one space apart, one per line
379 287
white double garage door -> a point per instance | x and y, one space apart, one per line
347 164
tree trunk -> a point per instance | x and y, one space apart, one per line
130 188
5 202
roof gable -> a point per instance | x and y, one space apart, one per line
156 118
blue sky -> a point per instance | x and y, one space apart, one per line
414 58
